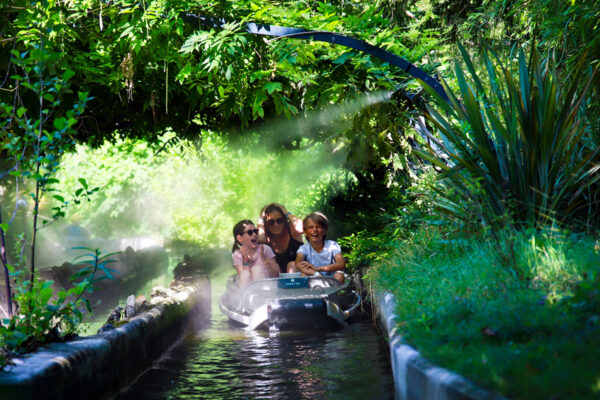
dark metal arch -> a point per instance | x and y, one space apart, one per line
330 37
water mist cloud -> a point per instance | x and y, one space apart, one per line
197 193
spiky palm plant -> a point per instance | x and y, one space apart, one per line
512 143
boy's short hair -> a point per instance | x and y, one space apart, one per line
318 218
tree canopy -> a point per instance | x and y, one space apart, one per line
147 68
139 67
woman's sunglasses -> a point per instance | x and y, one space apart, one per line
251 232
274 221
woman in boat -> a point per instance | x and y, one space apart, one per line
282 231
251 260
319 256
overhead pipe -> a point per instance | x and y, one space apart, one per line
280 32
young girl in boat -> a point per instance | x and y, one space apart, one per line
319 256
281 231
251 260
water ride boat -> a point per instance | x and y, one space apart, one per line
290 302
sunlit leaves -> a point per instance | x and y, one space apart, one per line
271 87
47 314
179 66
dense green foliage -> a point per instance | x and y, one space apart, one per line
37 128
196 193
148 69
513 309
518 135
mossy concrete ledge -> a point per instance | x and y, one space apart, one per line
414 377
99 366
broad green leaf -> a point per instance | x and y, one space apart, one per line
68 74
60 123
271 87
88 306
343 57
52 308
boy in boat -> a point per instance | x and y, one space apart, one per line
319 256
251 260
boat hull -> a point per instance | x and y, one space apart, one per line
290 303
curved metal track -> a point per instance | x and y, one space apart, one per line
330 37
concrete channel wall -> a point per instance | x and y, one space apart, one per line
414 377
99 366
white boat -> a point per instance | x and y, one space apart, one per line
290 302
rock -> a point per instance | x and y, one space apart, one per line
130 307
189 268
60 275
156 300
106 328
115 316
177 285
160 291
142 305
140 301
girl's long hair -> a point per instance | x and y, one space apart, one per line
239 229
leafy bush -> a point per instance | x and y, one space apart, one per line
513 148
44 315
39 112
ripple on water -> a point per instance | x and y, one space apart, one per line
225 362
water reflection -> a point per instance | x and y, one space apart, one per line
225 362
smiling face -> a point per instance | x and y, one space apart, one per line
275 223
314 232
249 238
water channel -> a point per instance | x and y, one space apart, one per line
222 361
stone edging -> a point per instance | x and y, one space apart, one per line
97 367
414 377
